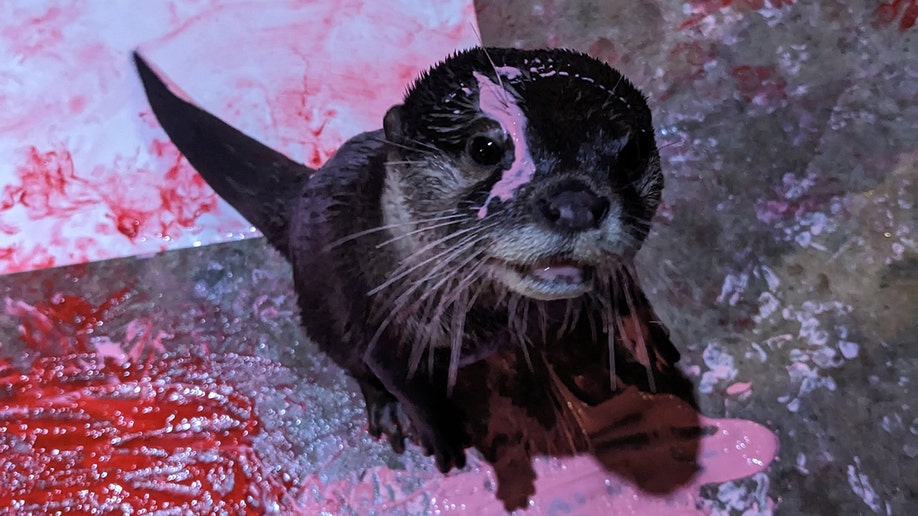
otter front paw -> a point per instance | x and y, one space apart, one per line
442 435
385 415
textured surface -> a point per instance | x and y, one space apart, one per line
784 260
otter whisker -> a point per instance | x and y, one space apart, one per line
408 267
399 304
567 320
457 332
424 337
543 321
433 317
610 313
641 349
450 300
426 148
446 277
409 261
419 230
405 162
353 236
471 276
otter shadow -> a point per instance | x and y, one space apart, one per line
550 409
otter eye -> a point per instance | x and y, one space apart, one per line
485 151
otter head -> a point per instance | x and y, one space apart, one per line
536 170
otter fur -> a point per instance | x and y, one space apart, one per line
499 206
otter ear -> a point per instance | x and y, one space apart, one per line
392 124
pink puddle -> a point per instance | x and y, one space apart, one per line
83 162
577 485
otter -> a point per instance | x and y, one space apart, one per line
500 206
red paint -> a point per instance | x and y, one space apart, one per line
48 185
170 204
184 194
294 107
169 436
128 222
887 12
65 323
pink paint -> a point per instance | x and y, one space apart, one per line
739 388
580 485
497 103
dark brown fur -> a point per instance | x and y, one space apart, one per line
400 278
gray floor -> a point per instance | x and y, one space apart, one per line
784 255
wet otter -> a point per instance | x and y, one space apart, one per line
500 205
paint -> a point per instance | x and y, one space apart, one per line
575 485
497 103
87 435
86 167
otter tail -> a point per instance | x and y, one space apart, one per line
259 182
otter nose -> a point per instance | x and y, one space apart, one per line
574 208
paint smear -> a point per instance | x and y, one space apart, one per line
497 103
571 485
86 435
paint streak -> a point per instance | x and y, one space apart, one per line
65 323
83 435
886 14
497 103
48 185
51 191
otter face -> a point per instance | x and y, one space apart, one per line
535 169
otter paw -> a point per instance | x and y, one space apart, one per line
386 417
445 439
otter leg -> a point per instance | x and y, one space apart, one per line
434 420
384 413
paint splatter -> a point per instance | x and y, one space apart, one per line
86 435
906 11
70 96
65 323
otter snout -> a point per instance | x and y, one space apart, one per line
572 207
